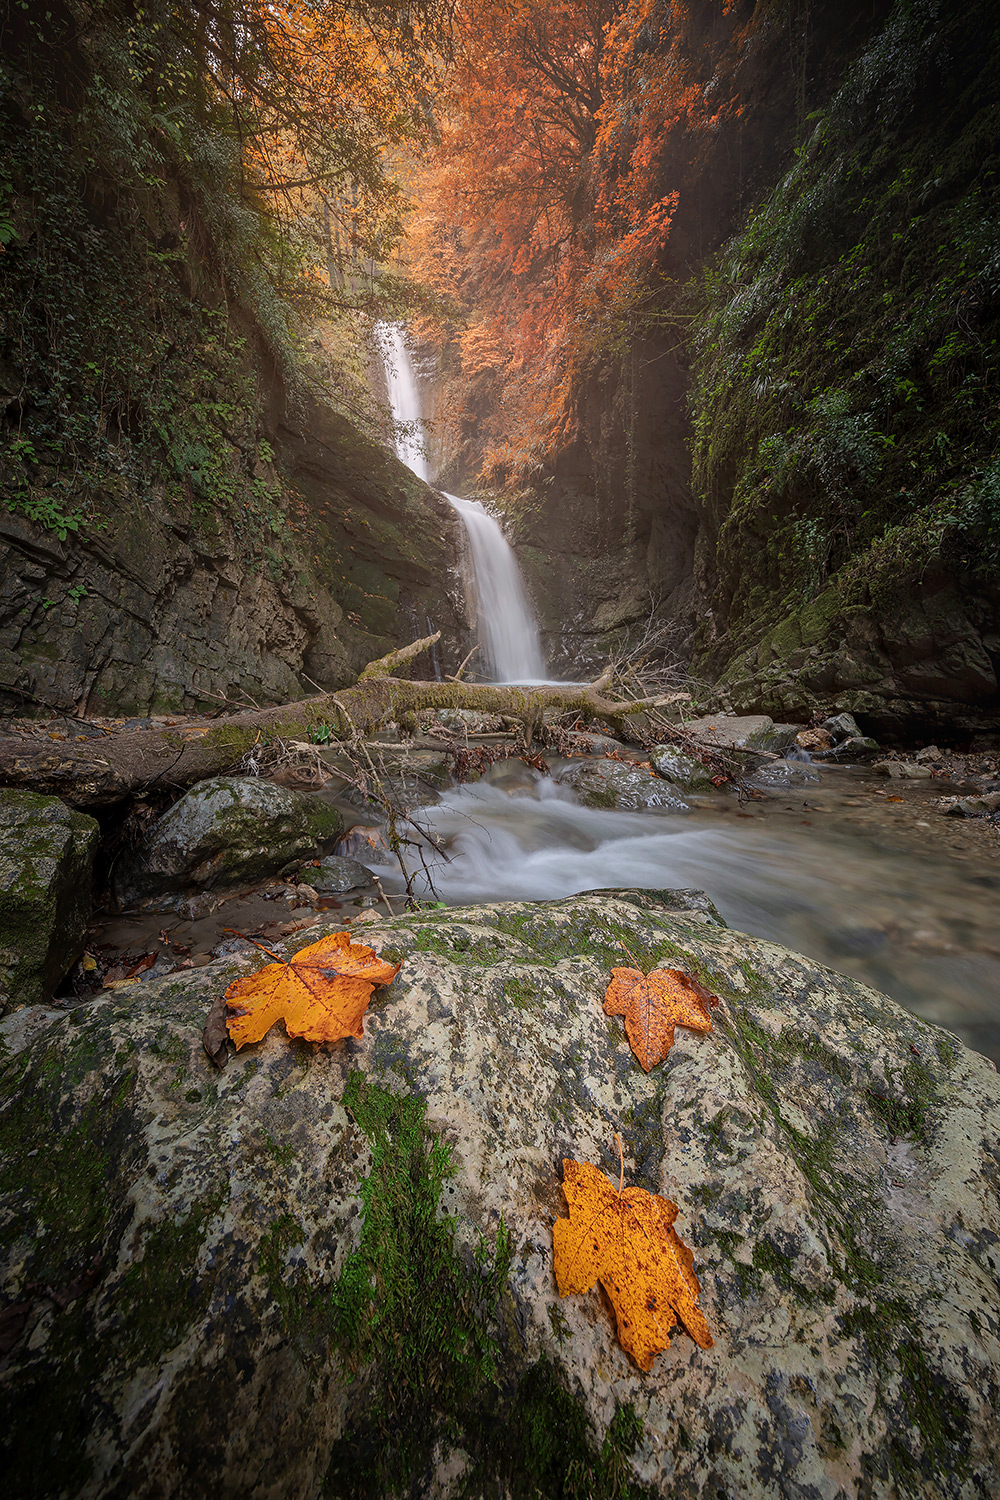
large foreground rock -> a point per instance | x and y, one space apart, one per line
283 1306
226 831
46 875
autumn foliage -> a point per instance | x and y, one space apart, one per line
653 1004
547 208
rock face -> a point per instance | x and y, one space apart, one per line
329 1269
227 831
46 866
167 608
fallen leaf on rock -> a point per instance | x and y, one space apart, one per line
146 962
322 992
625 1239
653 1004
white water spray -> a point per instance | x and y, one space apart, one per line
508 633
404 399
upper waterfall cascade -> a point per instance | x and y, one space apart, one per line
505 622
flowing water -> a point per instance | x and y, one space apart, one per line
508 635
509 642
404 398
872 888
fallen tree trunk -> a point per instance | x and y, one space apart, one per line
94 773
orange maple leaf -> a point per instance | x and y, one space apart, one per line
625 1239
322 992
653 1004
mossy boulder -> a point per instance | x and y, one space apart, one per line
46 868
328 1269
227 831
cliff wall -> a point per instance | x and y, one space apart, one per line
792 478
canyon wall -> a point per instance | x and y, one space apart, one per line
184 517
793 480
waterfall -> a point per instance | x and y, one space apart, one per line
510 647
508 635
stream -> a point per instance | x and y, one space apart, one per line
885 890
854 870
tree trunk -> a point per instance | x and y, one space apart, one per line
133 763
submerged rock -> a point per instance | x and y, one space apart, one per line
46 868
778 774
329 1269
616 784
227 831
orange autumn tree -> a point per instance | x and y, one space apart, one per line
316 92
549 202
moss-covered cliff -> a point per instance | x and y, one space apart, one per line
785 463
845 399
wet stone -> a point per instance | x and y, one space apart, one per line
685 771
337 874
612 784
778 774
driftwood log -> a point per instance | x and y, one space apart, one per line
134 763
